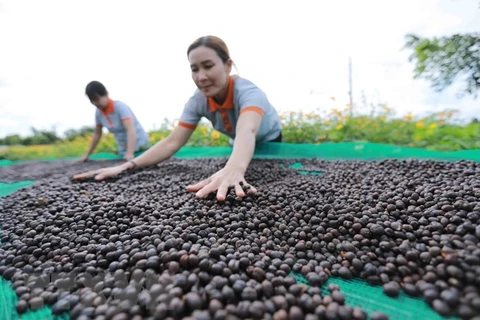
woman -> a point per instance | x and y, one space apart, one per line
119 119
235 106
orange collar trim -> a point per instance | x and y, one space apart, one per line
110 107
228 103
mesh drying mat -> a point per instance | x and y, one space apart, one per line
357 293
333 151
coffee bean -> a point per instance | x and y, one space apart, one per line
390 222
391 289
345 273
359 314
296 313
21 306
36 303
338 297
281 315
441 307
410 289
377 315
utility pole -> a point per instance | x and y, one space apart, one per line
350 83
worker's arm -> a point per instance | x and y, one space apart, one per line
161 151
97 135
233 172
131 138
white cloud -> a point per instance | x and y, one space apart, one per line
51 49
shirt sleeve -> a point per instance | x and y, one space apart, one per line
124 111
191 114
253 99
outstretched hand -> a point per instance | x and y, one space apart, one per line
128 156
84 158
220 182
100 174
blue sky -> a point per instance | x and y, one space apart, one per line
297 52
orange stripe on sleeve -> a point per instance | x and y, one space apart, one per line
256 109
127 118
186 125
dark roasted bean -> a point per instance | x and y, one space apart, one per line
138 246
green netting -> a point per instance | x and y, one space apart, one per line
359 293
329 151
7 188
4 163
298 165
333 151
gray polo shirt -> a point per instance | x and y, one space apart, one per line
242 96
113 118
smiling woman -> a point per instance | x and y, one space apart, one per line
235 106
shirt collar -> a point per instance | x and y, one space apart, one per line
110 107
228 103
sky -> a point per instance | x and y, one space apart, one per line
295 51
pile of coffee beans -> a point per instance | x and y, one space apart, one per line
49 169
139 246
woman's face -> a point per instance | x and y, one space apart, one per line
209 72
100 102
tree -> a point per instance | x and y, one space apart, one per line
12 140
41 137
445 60
84 131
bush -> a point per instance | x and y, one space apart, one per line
437 132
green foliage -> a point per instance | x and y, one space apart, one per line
11 140
447 59
85 131
38 137
437 131
46 137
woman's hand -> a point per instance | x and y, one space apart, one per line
84 158
128 156
161 151
220 182
101 174
234 171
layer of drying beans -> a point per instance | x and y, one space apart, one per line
141 247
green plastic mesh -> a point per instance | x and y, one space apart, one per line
333 151
7 188
358 150
329 151
359 293
299 165
4 163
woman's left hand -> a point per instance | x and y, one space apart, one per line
129 156
220 182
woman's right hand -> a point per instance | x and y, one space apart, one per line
101 174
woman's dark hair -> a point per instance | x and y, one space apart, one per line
95 89
213 43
